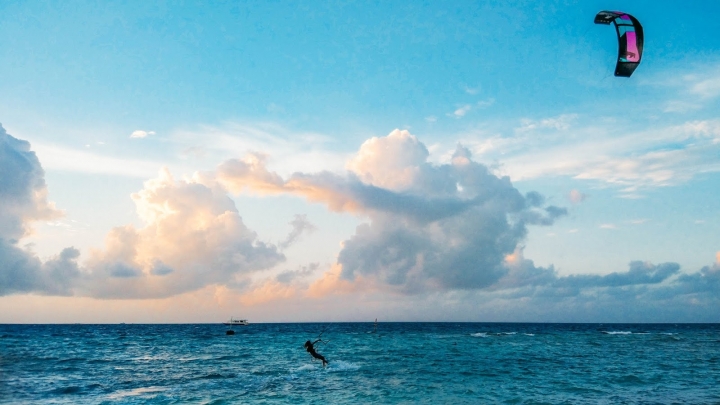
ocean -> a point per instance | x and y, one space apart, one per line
402 363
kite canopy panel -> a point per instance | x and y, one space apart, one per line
630 40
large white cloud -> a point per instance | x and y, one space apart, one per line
193 237
23 199
393 162
430 226
23 193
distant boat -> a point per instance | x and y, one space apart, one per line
236 322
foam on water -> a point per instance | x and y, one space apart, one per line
136 392
339 365
306 367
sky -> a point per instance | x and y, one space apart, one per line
345 161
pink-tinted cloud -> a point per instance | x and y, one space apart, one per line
193 237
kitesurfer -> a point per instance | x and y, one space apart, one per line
309 346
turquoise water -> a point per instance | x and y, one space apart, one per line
401 363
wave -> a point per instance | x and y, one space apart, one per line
215 376
616 332
629 379
488 334
73 389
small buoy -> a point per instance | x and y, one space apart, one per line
230 332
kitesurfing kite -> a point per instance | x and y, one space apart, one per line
630 40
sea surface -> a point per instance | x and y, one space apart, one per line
402 363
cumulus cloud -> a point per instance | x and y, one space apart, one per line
23 200
632 295
643 292
446 233
141 133
22 272
193 237
430 226
402 157
23 192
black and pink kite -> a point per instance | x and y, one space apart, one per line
630 40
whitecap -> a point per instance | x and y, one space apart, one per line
306 367
480 334
136 392
619 332
340 365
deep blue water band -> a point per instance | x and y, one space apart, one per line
401 363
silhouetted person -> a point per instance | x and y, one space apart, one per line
311 349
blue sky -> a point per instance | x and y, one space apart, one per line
347 161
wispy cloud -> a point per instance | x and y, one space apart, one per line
61 158
629 160
576 196
300 225
461 111
472 90
692 91
291 150
561 122
707 88
485 103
